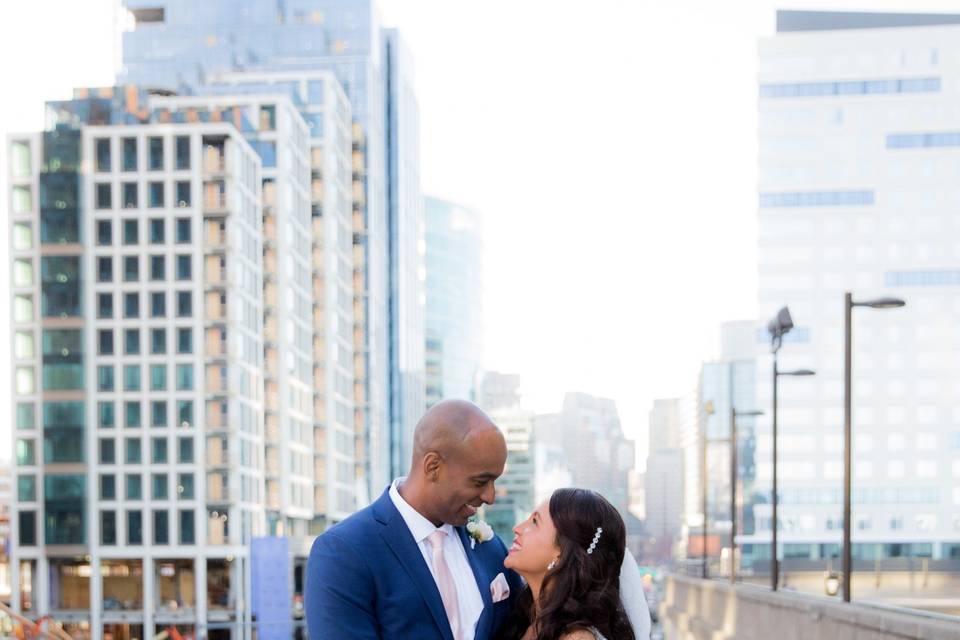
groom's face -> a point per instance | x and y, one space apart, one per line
467 477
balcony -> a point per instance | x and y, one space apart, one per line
215 234
215 197
217 490
216 452
214 157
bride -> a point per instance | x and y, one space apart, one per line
570 552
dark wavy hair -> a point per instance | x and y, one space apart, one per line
583 590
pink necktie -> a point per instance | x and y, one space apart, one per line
448 590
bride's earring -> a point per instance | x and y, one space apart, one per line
552 564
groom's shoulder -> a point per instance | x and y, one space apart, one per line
359 524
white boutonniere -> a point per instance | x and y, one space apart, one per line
479 531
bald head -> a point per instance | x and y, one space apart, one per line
458 453
450 426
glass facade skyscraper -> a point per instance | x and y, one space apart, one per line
454 300
219 46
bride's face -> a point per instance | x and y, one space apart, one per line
535 544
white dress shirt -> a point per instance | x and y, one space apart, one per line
469 600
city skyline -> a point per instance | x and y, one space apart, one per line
668 347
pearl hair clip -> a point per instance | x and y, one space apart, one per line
596 538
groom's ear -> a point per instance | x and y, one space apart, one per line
431 465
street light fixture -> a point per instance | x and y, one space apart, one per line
734 414
848 305
779 326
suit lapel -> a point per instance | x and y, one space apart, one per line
483 583
398 537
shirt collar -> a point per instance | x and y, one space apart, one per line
419 526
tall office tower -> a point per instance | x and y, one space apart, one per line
515 488
726 382
175 45
598 455
454 301
550 458
6 499
663 480
858 135
137 288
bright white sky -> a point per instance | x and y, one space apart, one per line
609 145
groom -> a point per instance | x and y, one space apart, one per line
405 567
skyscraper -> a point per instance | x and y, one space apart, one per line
858 135
199 50
138 368
454 301
663 494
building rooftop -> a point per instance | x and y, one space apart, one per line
796 21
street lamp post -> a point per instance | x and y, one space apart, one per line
733 481
779 326
848 305
708 410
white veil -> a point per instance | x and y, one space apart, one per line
633 598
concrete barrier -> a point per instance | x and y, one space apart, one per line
696 609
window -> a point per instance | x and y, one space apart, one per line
22 199
131 342
104 232
105 342
816 199
62 359
23 344
60 290
131 378
22 273
183 152
132 414
129 195
155 191
159 450
158 304
183 230
27 521
131 268
129 154
64 507
26 381
156 230
185 450
184 304
132 451
187 535
155 146
161 527
184 377
63 426
23 308
104 305
104 196
26 452
183 194
158 340
185 340
102 151
267 150
268 117
22 236
131 305
158 413
134 527
26 415
26 488
108 527
104 378
158 377
107 451
184 412
185 486
105 269
159 482
130 232
184 271
158 268
106 415
108 486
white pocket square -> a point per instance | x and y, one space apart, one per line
499 589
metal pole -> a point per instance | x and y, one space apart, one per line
847 440
774 562
703 495
733 491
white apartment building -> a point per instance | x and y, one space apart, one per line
138 354
859 133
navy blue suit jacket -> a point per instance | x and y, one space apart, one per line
367 580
